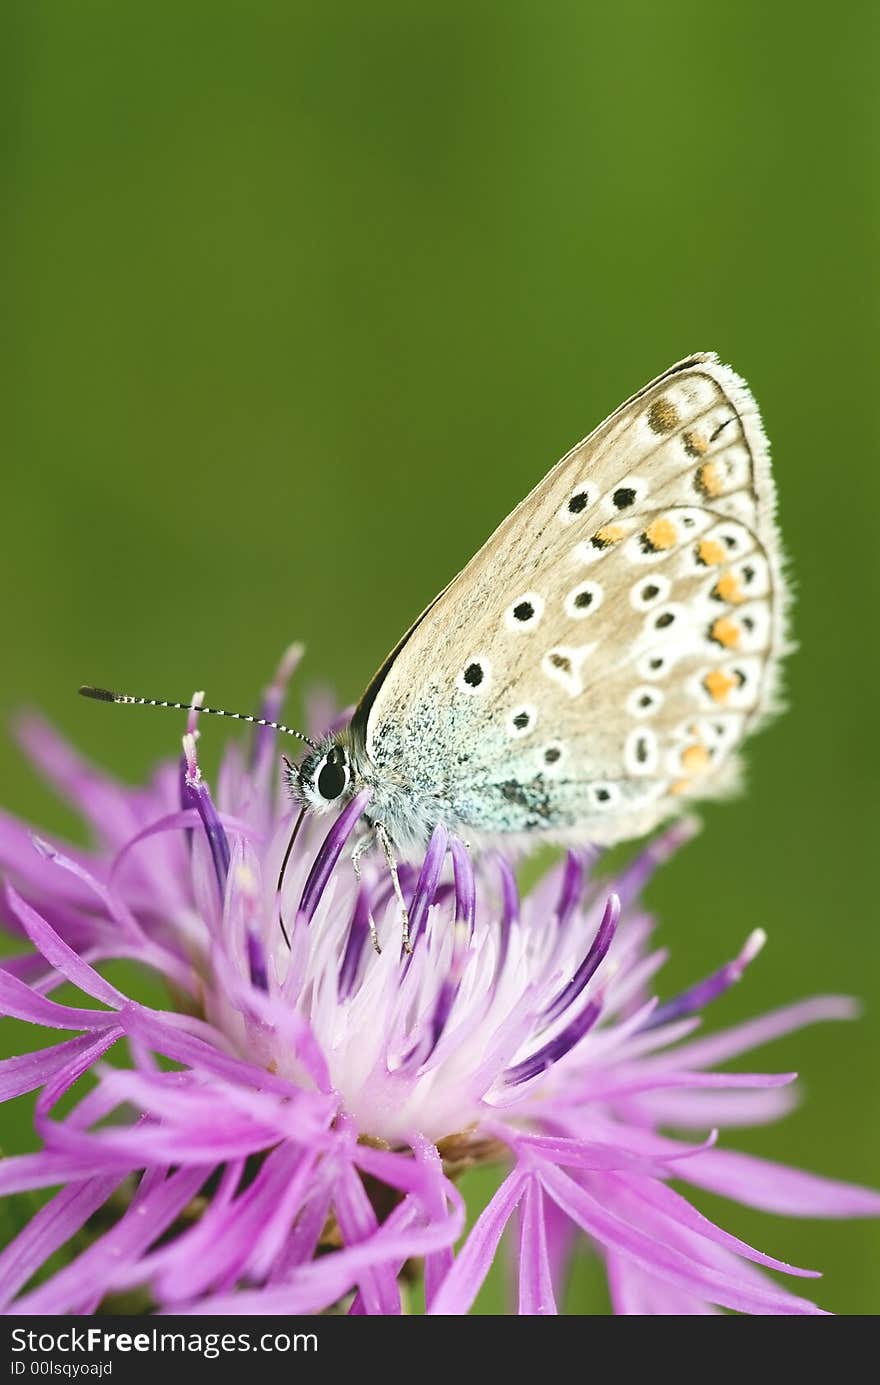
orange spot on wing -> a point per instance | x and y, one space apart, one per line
727 588
695 758
719 685
709 479
608 534
661 534
726 632
680 786
710 552
662 416
695 445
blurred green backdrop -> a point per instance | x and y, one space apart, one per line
300 300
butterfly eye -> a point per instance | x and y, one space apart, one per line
333 778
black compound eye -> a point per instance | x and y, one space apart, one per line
332 780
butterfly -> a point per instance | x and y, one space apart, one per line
599 662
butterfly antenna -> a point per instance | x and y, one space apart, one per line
104 695
293 836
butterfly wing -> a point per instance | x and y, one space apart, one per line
603 655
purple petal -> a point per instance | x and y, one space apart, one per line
358 934
510 906
21 1173
465 883
572 888
632 881
448 992
59 1082
273 701
196 794
183 819
707 990
117 910
426 886
556 1048
727 1110
33 872
329 853
236 1236
257 962
588 967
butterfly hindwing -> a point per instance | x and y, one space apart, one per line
603 655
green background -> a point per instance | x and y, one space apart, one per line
299 300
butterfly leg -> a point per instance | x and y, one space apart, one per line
388 849
361 848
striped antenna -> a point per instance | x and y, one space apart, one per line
104 695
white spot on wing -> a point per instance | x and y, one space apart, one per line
581 500
640 753
644 701
464 681
649 591
522 721
604 795
583 600
564 664
517 617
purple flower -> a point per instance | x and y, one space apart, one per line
324 1099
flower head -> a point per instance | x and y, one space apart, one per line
290 1129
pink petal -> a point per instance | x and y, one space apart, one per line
63 957
634 1293
32 1070
719 1048
18 1001
49 1229
433 1196
778 1188
106 803
323 1282
726 1110
96 1270
535 1280
647 1197
472 1264
357 1222
662 1260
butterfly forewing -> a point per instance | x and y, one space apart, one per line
600 659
